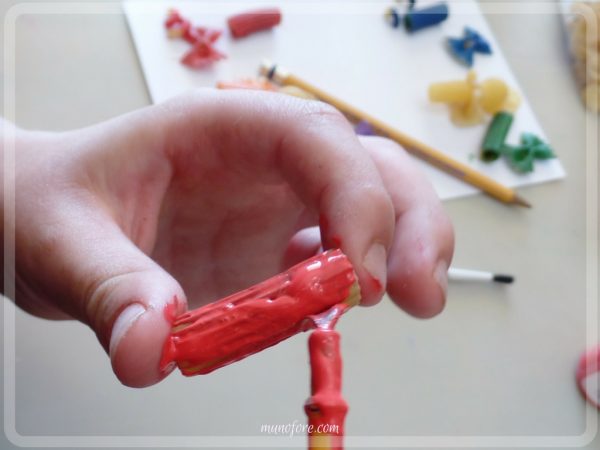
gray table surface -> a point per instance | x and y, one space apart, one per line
498 362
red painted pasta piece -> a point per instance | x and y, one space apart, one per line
173 18
249 321
194 35
246 23
176 25
201 55
326 409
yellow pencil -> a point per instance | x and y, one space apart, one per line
417 148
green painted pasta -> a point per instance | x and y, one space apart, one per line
493 143
521 157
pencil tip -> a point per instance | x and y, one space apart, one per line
521 201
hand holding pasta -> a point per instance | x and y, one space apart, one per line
204 195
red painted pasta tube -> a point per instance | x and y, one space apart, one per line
326 408
249 321
244 24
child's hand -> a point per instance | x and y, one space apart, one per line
204 195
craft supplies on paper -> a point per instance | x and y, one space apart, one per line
310 33
203 52
520 157
434 157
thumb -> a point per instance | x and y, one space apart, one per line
87 266
134 315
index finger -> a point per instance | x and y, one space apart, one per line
307 144
424 237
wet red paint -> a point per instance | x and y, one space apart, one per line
336 241
323 224
171 311
261 316
328 319
375 283
326 409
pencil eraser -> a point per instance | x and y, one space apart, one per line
588 375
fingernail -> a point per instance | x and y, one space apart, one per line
123 323
440 274
375 262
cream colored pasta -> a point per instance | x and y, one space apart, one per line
584 45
